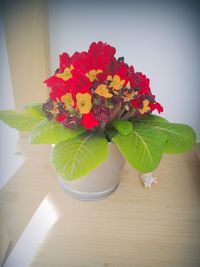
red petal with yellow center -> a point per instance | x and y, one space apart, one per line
64 61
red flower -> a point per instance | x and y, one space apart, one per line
101 48
58 87
55 82
60 117
131 77
65 61
96 60
142 83
89 121
157 106
116 73
64 73
79 84
89 87
136 102
56 93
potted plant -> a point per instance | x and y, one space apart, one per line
99 112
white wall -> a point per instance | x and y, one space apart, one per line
9 162
161 40
6 99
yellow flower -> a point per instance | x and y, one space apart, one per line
116 82
84 102
66 74
102 90
67 100
92 74
128 96
145 107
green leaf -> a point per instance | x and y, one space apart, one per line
35 109
23 121
76 157
143 148
123 127
180 137
150 119
51 132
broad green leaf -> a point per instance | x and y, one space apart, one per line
51 132
35 109
143 148
150 119
76 157
180 137
23 121
123 127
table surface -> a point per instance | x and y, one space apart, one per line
43 226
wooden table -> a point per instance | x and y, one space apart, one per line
158 227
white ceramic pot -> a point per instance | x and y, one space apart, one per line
100 182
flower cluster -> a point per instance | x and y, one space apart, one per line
93 88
